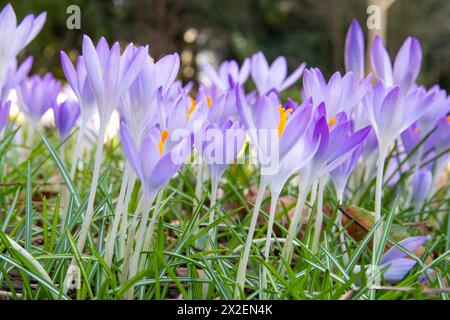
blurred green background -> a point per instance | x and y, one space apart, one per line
302 30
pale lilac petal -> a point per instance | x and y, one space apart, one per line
293 77
354 50
381 62
410 244
408 63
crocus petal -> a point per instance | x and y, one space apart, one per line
411 244
381 62
260 72
407 64
293 77
129 148
397 269
94 69
354 50
69 72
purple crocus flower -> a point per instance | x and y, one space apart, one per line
14 76
14 38
153 162
228 75
140 101
4 114
111 73
66 115
391 111
397 264
78 81
221 144
439 109
340 94
406 67
273 129
37 95
274 77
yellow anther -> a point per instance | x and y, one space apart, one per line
209 102
332 122
283 119
191 109
448 119
164 135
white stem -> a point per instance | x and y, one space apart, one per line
90 208
93 190
148 201
212 217
128 247
298 213
377 217
117 215
273 209
242 269
319 218
124 214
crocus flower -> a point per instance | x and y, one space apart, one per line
439 108
155 163
78 81
110 73
65 115
391 111
4 113
274 77
273 129
14 76
37 95
406 67
14 38
229 74
139 102
340 94
396 262
221 145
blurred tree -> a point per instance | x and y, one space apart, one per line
302 30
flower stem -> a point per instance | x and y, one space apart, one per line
117 215
90 208
242 269
212 215
124 214
288 246
273 209
149 197
377 217
319 218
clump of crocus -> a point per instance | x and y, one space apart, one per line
110 74
155 161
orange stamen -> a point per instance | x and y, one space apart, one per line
191 109
164 135
283 119
209 102
332 122
448 119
